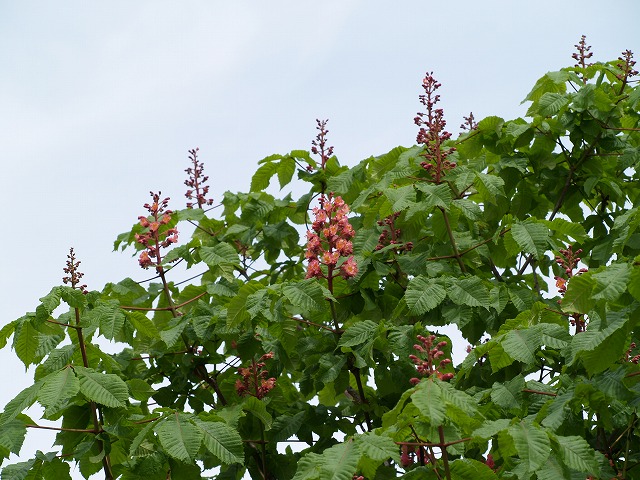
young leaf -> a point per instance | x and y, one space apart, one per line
424 294
222 441
340 461
104 388
428 399
179 437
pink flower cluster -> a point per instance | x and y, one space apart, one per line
568 261
432 133
254 379
196 182
426 366
153 239
330 239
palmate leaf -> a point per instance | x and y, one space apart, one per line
531 237
259 409
306 295
340 461
58 389
262 177
532 444
104 388
221 440
549 104
358 333
110 317
522 344
285 426
470 469
428 399
378 447
579 298
611 282
12 435
236 309
576 453
469 291
424 294
20 402
26 340
220 254
179 437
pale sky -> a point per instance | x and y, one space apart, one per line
100 101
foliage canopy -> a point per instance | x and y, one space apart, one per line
320 357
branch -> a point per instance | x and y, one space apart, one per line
57 429
164 309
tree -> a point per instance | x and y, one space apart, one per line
330 343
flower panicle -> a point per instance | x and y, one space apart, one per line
391 235
568 261
254 381
319 145
329 240
582 55
153 239
469 123
429 359
626 64
432 133
196 182
74 275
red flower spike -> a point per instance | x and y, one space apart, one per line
568 261
254 379
330 240
74 275
153 240
319 145
196 182
432 133
426 361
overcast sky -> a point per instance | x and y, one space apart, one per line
100 101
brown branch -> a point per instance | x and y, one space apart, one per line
63 324
550 394
452 240
164 309
431 444
60 429
443 450
312 324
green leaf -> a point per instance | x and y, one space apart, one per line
508 395
104 388
306 295
358 333
285 426
522 345
286 169
428 399
220 254
262 177
491 428
173 331
259 409
236 310
139 389
222 441
179 437
470 469
469 291
489 186
401 197
340 461
611 282
26 342
531 237
579 297
576 453
532 445
58 389
469 209
550 104
12 435
436 195
424 294
143 325
20 402
378 447
6 332
110 317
